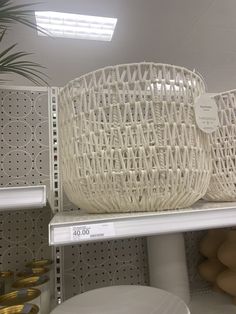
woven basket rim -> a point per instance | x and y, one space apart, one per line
193 72
225 93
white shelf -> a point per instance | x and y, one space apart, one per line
212 303
203 215
22 197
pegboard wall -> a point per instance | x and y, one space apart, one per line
24 137
23 237
24 234
93 265
194 258
98 264
24 159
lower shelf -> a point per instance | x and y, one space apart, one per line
211 303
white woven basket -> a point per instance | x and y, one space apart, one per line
129 141
222 185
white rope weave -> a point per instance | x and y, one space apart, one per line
129 141
222 185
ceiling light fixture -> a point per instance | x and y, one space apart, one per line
67 25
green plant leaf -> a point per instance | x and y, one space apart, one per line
2 34
10 13
10 62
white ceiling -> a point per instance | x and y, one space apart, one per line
198 34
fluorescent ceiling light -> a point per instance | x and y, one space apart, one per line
68 25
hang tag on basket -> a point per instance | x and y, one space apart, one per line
206 113
92 232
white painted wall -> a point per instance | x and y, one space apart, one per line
197 34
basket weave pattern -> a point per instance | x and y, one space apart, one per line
222 185
129 140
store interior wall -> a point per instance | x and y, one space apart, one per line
24 159
195 34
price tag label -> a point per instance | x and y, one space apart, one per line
92 232
206 113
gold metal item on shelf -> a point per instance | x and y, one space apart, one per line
20 308
6 274
46 263
41 283
39 263
35 271
19 297
31 281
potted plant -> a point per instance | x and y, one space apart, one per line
12 61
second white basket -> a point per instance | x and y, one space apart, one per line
222 185
129 140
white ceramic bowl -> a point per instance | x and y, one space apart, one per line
124 300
